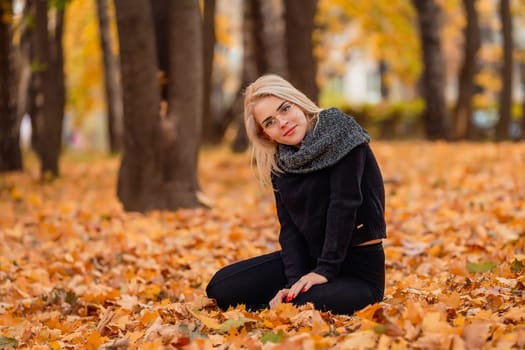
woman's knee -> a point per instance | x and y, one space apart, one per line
254 271
217 285
219 290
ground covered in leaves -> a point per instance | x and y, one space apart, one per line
77 272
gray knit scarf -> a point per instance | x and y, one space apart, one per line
333 136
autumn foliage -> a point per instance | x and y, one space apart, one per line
77 272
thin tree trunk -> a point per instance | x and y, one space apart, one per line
259 56
235 112
39 58
210 134
272 46
250 71
184 104
10 155
299 19
111 80
30 79
522 71
383 69
48 88
433 77
23 54
463 110
140 180
54 100
505 97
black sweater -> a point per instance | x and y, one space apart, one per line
324 212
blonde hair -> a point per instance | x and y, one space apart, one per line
263 149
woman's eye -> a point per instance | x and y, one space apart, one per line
286 108
269 123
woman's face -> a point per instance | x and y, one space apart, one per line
282 121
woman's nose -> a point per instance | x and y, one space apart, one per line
282 121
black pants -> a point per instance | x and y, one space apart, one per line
254 282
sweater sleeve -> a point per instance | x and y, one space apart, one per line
294 249
345 199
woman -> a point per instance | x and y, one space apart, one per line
330 199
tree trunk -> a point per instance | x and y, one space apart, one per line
111 80
159 163
505 98
184 104
299 19
433 78
463 125
10 155
49 90
140 179
209 129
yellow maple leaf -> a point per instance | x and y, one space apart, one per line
94 340
209 322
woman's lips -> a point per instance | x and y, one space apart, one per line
290 131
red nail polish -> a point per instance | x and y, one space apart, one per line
304 289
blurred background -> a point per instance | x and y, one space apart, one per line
160 79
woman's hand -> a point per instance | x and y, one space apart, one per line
278 298
305 283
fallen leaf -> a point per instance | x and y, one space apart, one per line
209 322
476 335
272 337
6 342
481 267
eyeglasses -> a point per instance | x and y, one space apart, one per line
271 122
